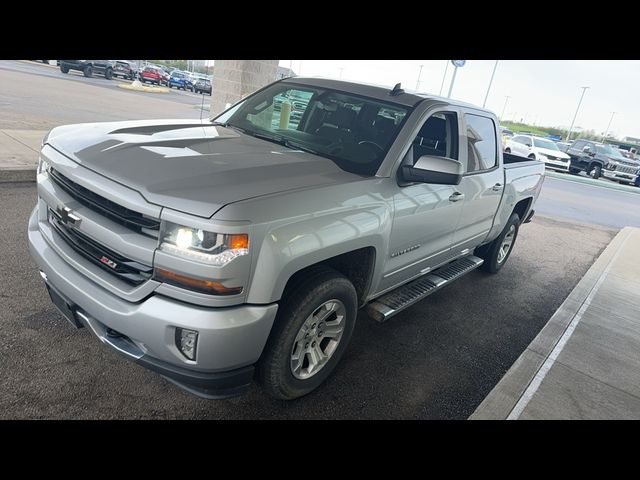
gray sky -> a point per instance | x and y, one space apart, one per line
542 91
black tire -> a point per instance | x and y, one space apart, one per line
596 172
169 85
64 69
108 74
88 71
507 150
532 156
319 285
489 253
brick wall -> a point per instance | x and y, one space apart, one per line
233 79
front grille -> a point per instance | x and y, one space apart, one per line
130 219
625 169
124 268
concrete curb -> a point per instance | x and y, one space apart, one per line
590 181
18 174
145 89
506 394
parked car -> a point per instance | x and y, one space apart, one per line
89 67
124 69
180 80
597 159
152 74
253 249
506 132
202 86
538 148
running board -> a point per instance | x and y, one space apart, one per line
386 306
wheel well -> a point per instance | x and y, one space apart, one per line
522 207
356 265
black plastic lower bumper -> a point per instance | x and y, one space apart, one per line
206 385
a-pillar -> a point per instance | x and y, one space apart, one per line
234 79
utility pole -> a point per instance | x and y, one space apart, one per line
418 81
446 66
604 137
506 99
584 89
490 82
341 69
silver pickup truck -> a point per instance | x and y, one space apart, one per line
243 247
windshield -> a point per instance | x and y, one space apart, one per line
548 144
354 132
607 150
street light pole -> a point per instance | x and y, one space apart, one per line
584 89
604 137
490 82
446 66
453 79
341 69
506 99
418 81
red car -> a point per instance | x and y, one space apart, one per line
153 75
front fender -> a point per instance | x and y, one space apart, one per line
289 248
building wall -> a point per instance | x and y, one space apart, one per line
234 79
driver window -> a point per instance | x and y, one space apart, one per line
438 137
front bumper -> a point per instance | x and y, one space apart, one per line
556 165
615 175
230 340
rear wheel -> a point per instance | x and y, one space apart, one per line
311 333
108 74
88 71
532 156
507 150
496 253
64 69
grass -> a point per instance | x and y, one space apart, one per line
521 127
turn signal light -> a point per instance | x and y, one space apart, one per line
195 284
237 241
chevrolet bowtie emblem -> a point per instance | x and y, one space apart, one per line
67 217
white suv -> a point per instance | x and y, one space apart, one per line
538 148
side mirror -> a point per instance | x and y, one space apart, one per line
528 145
438 170
587 149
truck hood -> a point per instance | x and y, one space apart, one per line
191 166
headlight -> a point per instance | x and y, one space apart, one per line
216 249
43 166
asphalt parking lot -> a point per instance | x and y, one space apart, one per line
436 360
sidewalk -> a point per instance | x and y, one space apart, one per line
19 154
585 363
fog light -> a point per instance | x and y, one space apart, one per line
187 341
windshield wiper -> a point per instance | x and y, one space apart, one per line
283 141
228 125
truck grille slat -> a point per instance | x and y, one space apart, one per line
131 271
119 214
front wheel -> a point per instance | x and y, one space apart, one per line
64 69
108 74
310 334
596 172
88 71
496 253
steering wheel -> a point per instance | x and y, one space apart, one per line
371 144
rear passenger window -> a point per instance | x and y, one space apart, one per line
438 137
482 152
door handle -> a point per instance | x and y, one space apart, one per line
497 187
456 196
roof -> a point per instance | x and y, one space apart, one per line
380 92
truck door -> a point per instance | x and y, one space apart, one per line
425 215
482 184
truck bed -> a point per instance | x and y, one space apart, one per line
511 160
